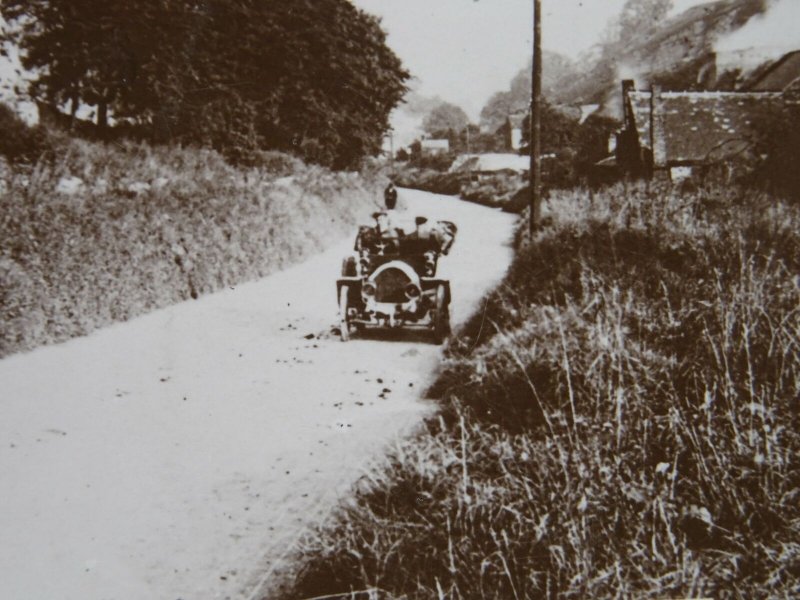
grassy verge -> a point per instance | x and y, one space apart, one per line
622 421
106 232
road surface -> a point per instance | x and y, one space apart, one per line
181 454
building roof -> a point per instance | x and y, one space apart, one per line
491 162
781 76
704 126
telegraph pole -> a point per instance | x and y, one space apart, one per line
536 121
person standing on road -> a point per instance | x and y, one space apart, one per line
390 196
393 222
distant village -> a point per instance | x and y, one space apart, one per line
662 133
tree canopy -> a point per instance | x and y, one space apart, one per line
314 77
444 118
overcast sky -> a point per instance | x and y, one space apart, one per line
465 50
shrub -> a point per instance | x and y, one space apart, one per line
430 180
778 146
502 191
19 142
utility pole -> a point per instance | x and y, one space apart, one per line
469 159
536 121
391 151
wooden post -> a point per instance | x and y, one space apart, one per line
391 152
536 121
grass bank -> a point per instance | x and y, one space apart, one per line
622 420
103 232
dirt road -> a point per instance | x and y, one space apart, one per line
180 455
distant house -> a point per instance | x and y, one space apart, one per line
434 147
675 132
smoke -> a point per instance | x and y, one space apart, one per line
769 35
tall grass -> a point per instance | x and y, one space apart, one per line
622 421
101 233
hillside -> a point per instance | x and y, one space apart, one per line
690 51
679 54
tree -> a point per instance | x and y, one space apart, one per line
313 77
642 16
444 118
95 52
557 72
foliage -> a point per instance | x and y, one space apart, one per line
445 117
559 130
777 148
642 16
591 144
430 180
310 77
438 162
19 141
507 192
108 232
620 421
557 70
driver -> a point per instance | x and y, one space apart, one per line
388 234
390 196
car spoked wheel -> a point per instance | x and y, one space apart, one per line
344 318
441 316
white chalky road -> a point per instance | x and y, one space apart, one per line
181 454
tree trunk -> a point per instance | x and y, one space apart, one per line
75 103
102 114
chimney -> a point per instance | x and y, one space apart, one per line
658 141
627 118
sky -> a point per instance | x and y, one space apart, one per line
466 50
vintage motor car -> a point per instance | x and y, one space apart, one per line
390 281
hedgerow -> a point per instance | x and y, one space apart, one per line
101 233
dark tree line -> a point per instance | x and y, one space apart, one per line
314 77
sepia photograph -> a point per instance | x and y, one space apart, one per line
399 300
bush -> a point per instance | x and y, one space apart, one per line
622 421
430 180
19 142
777 169
508 192
434 162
